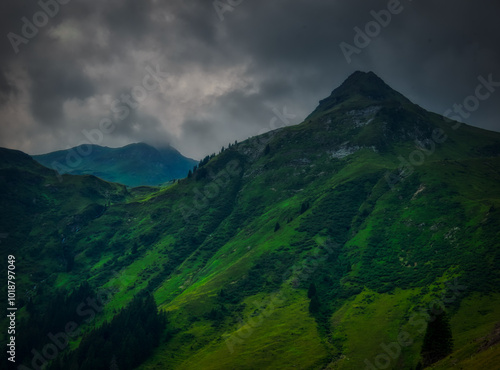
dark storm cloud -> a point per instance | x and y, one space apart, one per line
232 78
10 23
54 81
5 88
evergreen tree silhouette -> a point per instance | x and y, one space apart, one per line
315 304
311 291
438 340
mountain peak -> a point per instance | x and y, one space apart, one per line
359 75
360 87
367 85
360 79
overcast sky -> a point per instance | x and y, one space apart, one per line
199 74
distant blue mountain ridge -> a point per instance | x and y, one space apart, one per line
132 165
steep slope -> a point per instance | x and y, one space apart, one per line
131 165
36 203
322 245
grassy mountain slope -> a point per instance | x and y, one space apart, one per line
230 253
132 165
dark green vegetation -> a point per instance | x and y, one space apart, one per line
51 315
126 341
132 165
438 340
310 246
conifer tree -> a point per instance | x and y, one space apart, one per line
311 291
314 304
438 340
304 207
